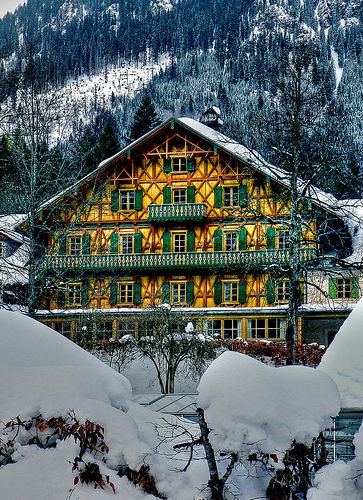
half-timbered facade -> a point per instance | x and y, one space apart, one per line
188 217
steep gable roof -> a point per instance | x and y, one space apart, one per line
251 158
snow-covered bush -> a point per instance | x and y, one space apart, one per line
256 412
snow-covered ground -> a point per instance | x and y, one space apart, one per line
248 405
343 360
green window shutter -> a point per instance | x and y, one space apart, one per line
115 200
270 237
243 196
190 240
190 194
190 164
270 292
61 296
355 288
166 241
138 243
137 294
62 249
114 243
166 293
242 292
84 293
167 195
86 244
138 199
167 165
332 288
113 294
190 293
218 197
242 239
218 292
217 238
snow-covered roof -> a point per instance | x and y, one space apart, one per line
8 225
351 211
230 146
255 160
13 269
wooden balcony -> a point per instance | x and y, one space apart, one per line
161 262
179 212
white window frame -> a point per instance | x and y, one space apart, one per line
128 203
230 291
230 196
178 292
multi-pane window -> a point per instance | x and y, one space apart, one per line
179 164
283 239
178 293
127 200
231 196
262 328
74 294
282 291
179 242
103 330
230 241
344 288
225 328
125 292
126 243
230 291
179 196
75 245
63 327
126 327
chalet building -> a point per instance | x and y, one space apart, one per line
188 217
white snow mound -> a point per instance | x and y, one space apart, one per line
44 373
254 406
40 368
343 359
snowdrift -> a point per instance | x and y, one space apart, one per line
343 359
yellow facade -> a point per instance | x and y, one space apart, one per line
175 218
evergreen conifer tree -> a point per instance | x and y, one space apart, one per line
145 119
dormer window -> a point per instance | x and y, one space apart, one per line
179 164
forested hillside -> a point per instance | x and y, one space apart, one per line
220 52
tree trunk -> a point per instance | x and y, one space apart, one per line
215 484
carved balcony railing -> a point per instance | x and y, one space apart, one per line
178 212
151 262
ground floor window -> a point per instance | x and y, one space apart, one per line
266 328
225 328
63 327
103 330
127 327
